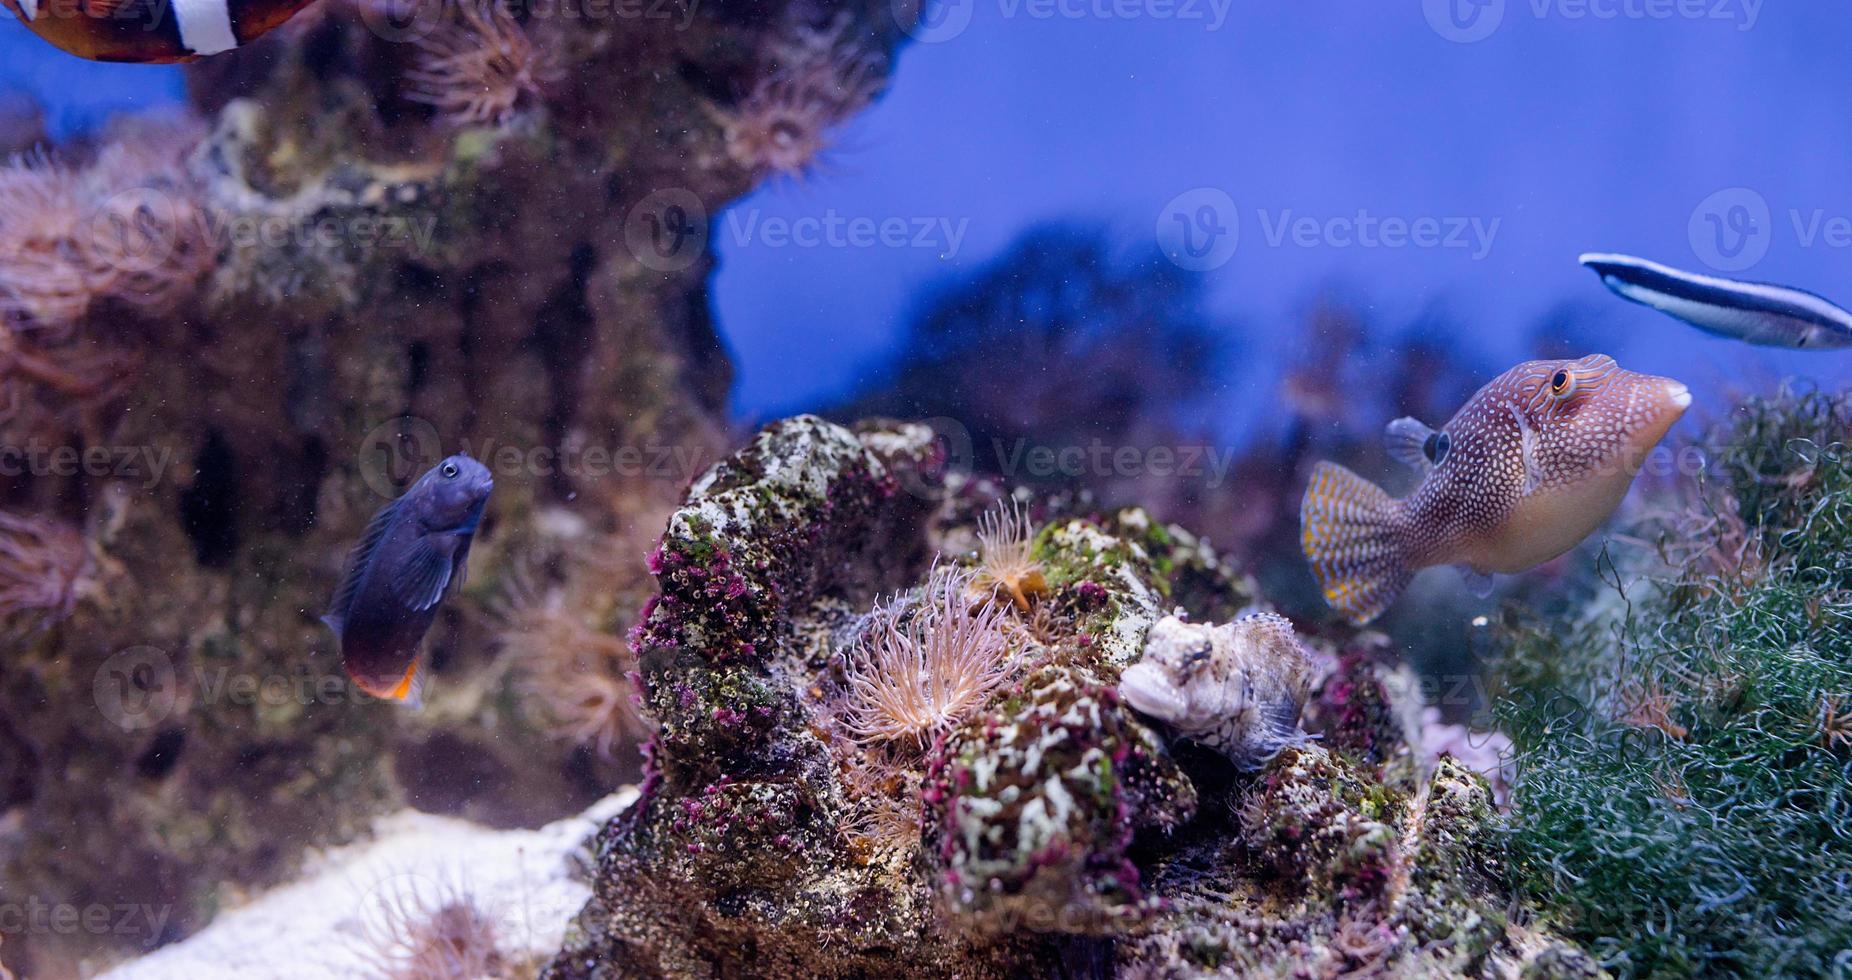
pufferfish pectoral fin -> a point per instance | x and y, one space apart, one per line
1407 440
1479 583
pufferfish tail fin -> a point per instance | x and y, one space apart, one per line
1355 536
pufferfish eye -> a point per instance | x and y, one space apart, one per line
1562 384
1436 447
449 470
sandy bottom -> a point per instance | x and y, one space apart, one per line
335 920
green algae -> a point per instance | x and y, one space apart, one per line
1681 801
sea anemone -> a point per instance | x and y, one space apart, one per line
578 674
414 928
783 124
147 240
885 792
1006 556
66 368
1366 941
483 69
581 680
49 378
128 227
913 679
45 570
46 393
43 276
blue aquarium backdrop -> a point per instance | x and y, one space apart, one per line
1569 127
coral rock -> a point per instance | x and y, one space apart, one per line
1033 809
1047 829
1327 871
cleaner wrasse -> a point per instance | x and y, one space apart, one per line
1530 466
1752 312
151 31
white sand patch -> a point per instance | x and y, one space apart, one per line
319 926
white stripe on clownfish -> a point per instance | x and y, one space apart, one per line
31 8
205 26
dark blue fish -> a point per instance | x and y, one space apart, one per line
412 555
1753 312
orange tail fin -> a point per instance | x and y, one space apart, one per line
1356 537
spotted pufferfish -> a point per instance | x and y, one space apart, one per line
1531 465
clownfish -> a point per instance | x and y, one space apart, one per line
1530 466
151 31
414 552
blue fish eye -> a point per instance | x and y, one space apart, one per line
450 471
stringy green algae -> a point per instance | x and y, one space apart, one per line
1684 795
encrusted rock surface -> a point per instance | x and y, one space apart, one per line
1319 868
1051 830
1033 807
334 284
